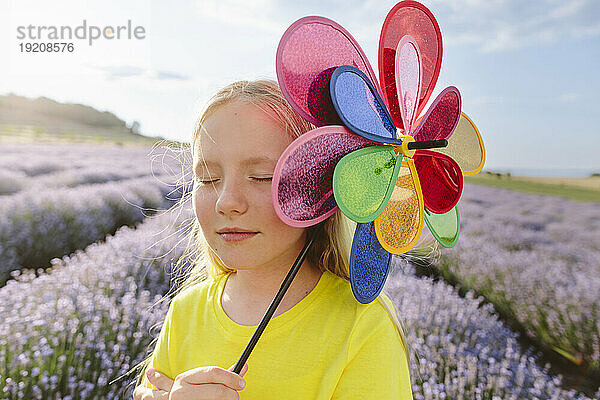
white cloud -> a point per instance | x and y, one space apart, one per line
490 25
254 14
119 71
132 72
568 97
487 100
170 76
502 25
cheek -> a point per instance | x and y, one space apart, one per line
267 210
275 225
202 204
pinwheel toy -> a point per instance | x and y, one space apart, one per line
375 167
371 154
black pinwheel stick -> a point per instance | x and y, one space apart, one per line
428 144
271 310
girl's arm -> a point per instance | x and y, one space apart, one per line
161 383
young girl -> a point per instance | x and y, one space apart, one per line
321 342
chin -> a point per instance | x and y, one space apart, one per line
237 262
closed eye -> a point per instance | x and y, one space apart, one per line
263 179
206 182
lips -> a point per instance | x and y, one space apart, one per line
233 236
235 230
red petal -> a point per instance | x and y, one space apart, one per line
441 180
409 18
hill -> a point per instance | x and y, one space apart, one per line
44 120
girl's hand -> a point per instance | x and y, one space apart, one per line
206 382
161 381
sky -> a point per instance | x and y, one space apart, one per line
527 71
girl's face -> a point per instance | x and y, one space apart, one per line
233 165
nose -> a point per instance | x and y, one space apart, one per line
232 199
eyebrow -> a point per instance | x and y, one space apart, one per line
248 161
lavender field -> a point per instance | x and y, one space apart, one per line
537 258
92 315
465 351
63 198
33 167
75 330
88 321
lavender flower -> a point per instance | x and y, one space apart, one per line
47 218
538 258
465 352
87 322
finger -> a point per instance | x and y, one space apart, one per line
207 391
242 372
213 374
159 379
144 393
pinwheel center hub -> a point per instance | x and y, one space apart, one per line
410 145
403 148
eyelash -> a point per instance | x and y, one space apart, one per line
256 179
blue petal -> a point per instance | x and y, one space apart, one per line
360 106
369 263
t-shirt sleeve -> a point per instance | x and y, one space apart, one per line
377 366
160 355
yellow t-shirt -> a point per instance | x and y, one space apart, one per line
328 346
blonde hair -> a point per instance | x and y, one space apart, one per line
333 236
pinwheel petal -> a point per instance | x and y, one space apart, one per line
369 264
360 107
441 180
301 189
444 227
400 224
362 181
466 147
414 19
441 118
308 53
408 79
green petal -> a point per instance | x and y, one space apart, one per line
363 181
444 227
